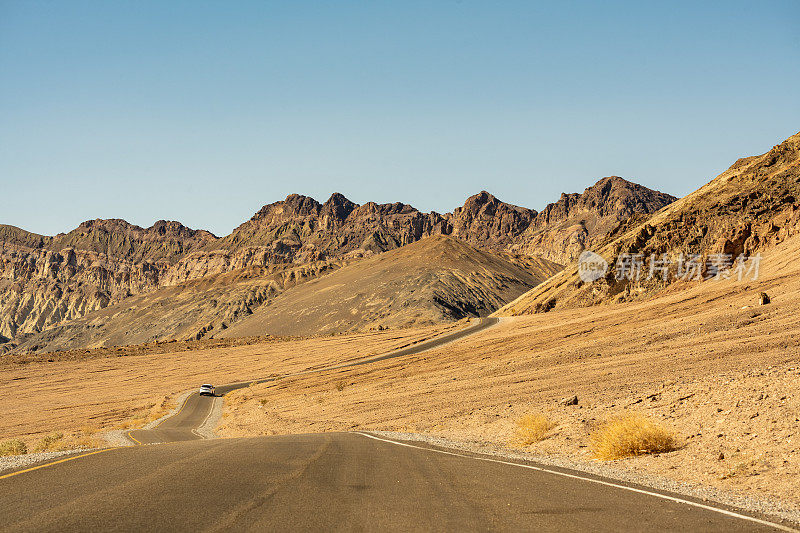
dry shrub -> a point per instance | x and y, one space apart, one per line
159 410
89 430
632 434
12 447
533 428
81 441
125 424
142 416
340 386
49 443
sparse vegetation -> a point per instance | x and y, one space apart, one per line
340 386
12 447
632 434
143 415
534 427
89 430
49 443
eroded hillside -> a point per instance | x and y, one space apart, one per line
436 279
749 208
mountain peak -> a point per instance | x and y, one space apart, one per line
108 224
338 207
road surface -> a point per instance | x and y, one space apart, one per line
326 482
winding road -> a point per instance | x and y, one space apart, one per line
196 409
331 482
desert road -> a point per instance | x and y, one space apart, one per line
196 408
330 482
326 482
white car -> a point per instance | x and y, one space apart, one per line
207 389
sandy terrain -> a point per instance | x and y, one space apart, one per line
42 397
724 378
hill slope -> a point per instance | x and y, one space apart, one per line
577 221
189 310
750 207
438 278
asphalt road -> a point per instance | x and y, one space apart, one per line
329 482
326 482
196 408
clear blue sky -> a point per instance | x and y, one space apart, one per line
204 111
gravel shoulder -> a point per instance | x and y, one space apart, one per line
206 429
16 462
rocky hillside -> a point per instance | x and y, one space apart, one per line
750 207
191 310
575 222
46 281
436 279
301 229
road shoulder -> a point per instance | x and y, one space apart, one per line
770 510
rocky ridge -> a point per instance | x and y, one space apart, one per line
46 281
575 222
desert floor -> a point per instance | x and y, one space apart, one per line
65 395
723 377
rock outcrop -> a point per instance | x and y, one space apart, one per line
189 310
486 222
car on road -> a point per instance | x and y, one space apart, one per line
207 389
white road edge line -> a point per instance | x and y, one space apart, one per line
591 480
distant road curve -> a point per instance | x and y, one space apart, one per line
196 409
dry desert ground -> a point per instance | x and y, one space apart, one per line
705 360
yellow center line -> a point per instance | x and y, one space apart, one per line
171 416
12 474
134 439
137 441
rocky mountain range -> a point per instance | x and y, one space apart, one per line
435 279
47 281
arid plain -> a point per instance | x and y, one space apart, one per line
730 390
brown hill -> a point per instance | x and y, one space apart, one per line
45 281
300 229
750 207
190 310
438 278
